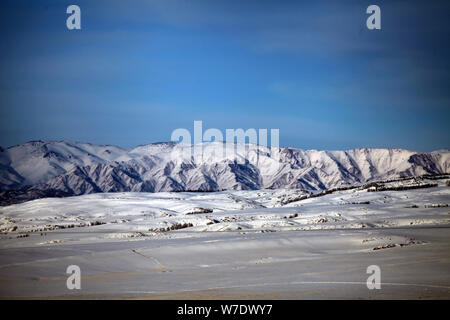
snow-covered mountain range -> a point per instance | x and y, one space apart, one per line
73 168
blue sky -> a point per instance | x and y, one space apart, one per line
140 69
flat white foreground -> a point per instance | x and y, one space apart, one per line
254 244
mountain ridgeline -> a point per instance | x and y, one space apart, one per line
38 169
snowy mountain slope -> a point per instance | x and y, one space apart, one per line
38 161
81 168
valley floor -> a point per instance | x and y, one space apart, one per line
229 245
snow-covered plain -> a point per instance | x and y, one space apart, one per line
230 244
